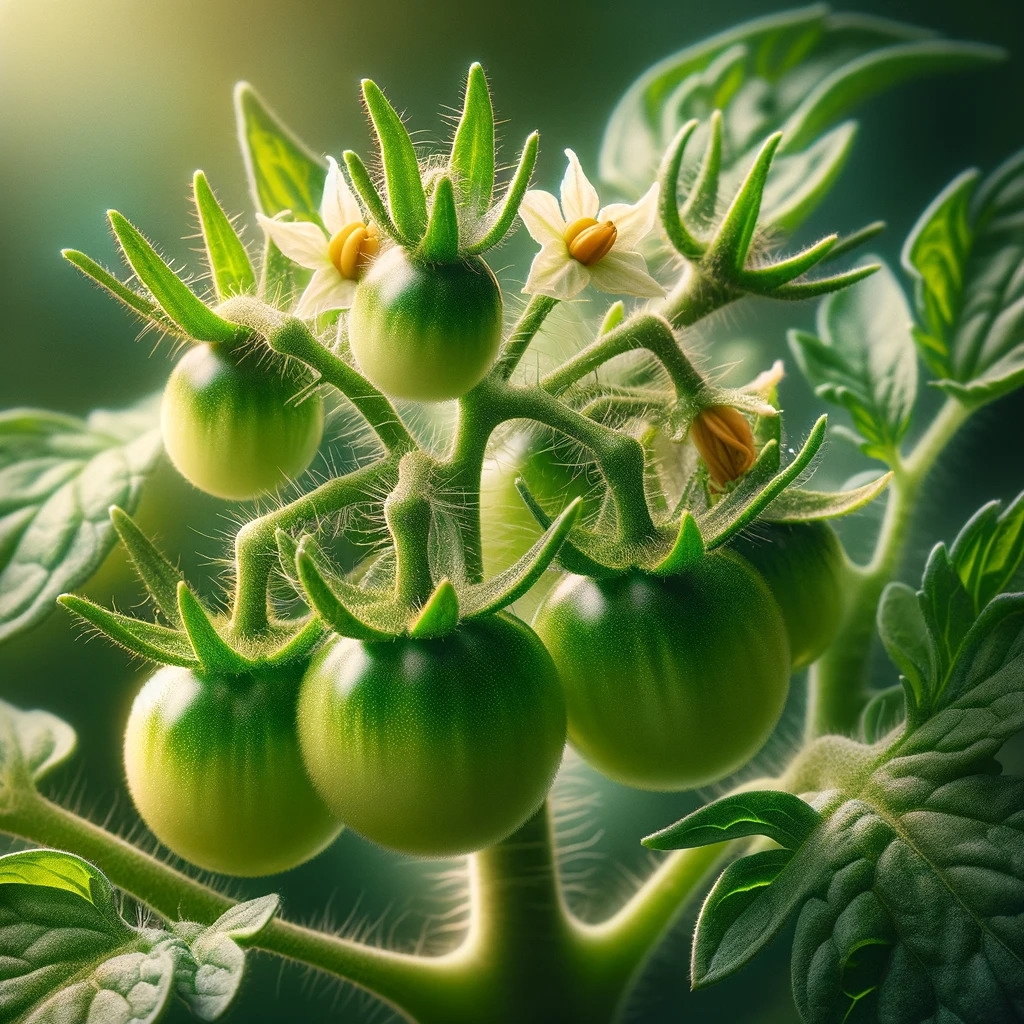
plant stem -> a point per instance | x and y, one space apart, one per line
523 334
839 685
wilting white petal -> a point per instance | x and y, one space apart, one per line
579 197
540 213
554 272
327 289
624 273
302 242
633 222
339 206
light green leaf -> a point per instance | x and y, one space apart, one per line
864 360
32 743
226 256
798 72
965 254
58 477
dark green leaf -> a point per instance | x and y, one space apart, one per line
226 256
32 743
965 255
989 549
904 632
797 71
779 816
283 172
472 159
58 477
864 360
176 299
883 713
406 197
795 505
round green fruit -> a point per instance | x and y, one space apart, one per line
232 426
670 683
425 331
215 770
805 568
434 747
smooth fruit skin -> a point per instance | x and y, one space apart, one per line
425 331
805 568
233 428
215 771
508 528
434 747
670 683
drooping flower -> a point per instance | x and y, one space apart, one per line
338 256
583 243
723 437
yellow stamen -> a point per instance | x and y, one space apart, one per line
352 248
590 241
723 437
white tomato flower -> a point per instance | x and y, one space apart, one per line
338 256
583 243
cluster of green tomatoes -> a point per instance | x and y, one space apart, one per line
438 747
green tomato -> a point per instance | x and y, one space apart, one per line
434 747
805 568
670 683
233 428
425 331
215 770
551 472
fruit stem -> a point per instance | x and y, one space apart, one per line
407 512
522 335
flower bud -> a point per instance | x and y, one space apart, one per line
723 437
589 241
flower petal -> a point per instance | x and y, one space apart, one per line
633 222
338 206
579 197
302 242
327 289
554 272
540 213
624 273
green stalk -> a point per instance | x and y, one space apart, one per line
522 335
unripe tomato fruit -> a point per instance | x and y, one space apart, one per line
434 747
425 331
508 528
805 568
232 426
669 683
215 771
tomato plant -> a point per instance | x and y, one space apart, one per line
661 516
234 428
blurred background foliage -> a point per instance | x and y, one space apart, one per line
115 103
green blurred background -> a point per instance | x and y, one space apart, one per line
115 102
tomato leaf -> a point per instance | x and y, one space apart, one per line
799 72
69 955
989 550
58 477
910 888
32 743
964 255
864 360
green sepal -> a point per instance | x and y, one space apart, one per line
728 249
372 200
800 290
687 550
441 242
284 174
159 576
213 651
854 240
765 280
406 198
780 816
700 203
301 643
146 639
795 505
226 257
471 163
758 489
126 296
515 581
325 600
176 299
501 217
668 203
439 616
